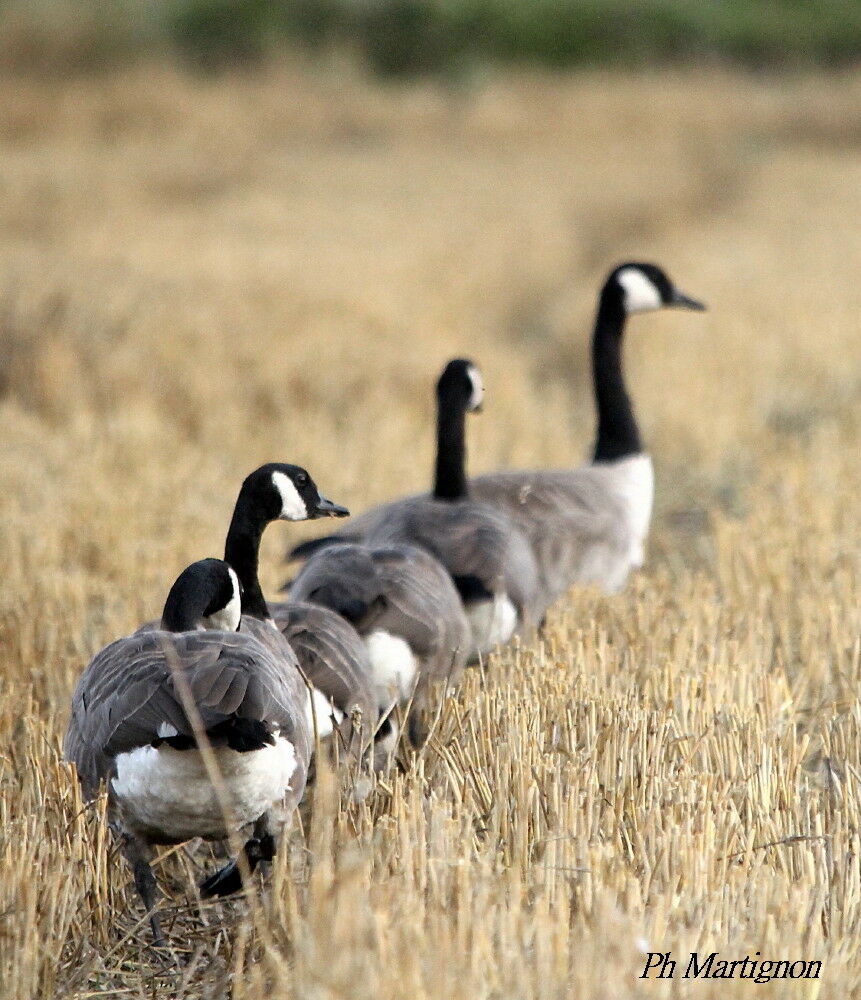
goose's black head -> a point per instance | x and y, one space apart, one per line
280 492
637 287
460 386
206 594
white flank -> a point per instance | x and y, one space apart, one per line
492 622
328 716
393 666
477 397
227 620
641 295
292 505
167 792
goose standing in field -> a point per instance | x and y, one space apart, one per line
330 654
488 557
405 607
141 705
588 524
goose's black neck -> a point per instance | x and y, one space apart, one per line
450 475
198 592
618 434
242 552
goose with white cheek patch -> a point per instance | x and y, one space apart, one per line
330 654
325 649
487 555
587 525
143 703
405 607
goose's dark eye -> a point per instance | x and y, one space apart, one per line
301 479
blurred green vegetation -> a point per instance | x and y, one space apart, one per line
403 37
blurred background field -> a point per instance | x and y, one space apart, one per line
451 37
201 271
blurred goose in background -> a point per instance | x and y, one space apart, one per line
405 607
488 557
141 705
589 524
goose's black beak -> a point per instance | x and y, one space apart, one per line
325 508
682 301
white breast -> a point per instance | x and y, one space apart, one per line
631 485
491 622
393 666
167 793
634 481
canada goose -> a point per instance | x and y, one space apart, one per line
588 524
140 705
129 718
331 655
402 603
488 557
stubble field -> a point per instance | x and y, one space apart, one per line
199 275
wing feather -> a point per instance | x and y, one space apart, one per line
331 654
133 688
573 522
406 592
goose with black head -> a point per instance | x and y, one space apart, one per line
486 554
330 655
588 524
138 712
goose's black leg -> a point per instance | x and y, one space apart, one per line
420 718
137 854
146 886
268 846
228 879
417 730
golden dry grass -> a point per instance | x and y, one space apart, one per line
200 275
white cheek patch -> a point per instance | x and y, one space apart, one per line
477 397
292 505
227 619
641 295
